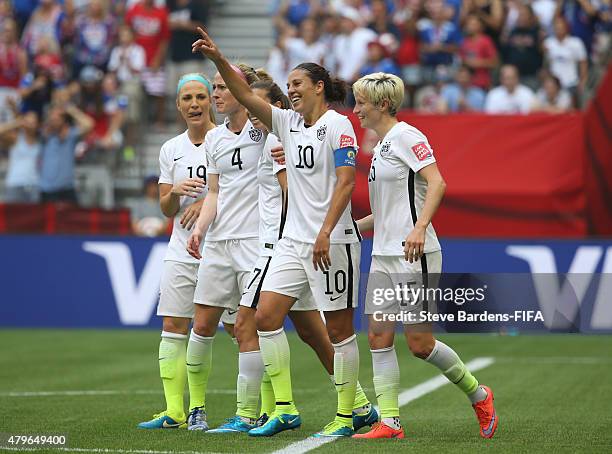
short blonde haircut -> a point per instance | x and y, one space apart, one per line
378 87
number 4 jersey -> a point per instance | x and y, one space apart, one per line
234 157
311 172
179 159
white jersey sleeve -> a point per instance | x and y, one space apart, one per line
180 159
412 148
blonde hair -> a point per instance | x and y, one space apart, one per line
378 87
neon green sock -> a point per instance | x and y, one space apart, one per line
346 375
268 402
277 359
199 363
445 359
361 400
386 381
173 373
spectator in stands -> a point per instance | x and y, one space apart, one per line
44 25
292 12
439 39
510 97
35 90
184 17
6 12
428 99
95 33
462 95
306 47
407 55
581 17
13 67
522 47
380 21
545 12
566 57
379 56
478 52
99 99
329 31
21 137
551 97
351 46
152 32
127 62
491 12
147 217
64 127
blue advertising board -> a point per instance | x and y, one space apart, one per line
106 282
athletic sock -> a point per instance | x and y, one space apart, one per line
277 361
386 381
346 375
199 363
250 371
445 359
268 402
362 405
394 423
172 372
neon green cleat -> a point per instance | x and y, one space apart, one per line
335 429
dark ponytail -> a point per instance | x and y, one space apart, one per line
335 88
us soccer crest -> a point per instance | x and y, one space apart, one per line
255 134
385 150
321 132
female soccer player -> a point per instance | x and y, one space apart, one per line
182 190
230 221
404 179
320 247
272 182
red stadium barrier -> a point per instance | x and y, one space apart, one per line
507 176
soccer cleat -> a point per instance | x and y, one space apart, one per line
367 419
381 430
197 419
276 424
161 421
262 420
485 412
335 429
232 425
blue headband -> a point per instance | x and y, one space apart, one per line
193 77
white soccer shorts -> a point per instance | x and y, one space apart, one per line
390 273
176 289
224 271
291 272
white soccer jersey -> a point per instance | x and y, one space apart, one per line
234 157
270 197
311 173
179 159
397 191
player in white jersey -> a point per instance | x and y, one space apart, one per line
182 190
272 181
230 221
320 247
406 189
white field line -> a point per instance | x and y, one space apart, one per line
112 392
405 397
98 450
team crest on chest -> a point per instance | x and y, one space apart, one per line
385 150
321 133
255 134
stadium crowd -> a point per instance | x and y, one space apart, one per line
494 56
76 76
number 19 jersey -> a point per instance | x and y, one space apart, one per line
311 173
234 157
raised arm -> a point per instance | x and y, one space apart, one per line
236 84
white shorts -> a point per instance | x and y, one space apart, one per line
250 296
390 273
291 272
224 271
176 289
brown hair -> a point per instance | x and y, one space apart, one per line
335 88
275 94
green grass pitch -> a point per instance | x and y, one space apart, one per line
553 393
